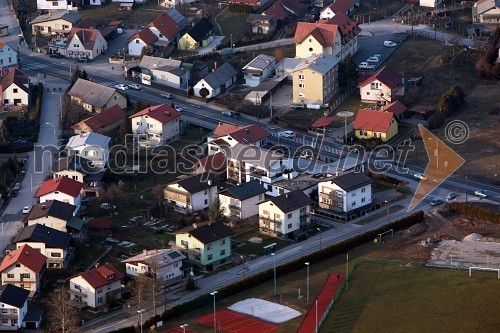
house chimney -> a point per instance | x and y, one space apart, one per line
149 110
286 195
167 113
307 61
44 207
145 252
195 225
215 65
247 130
81 135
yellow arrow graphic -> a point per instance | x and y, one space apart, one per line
443 162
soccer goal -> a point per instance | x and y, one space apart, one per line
484 269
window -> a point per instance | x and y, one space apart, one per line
362 132
222 242
18 264
353 204
363 200
368 93
301 76
363 190
303 210
301 85
137 41
340 194
99 290
353 195
265 213
184 243
209 247
301 94
161 35
222 252
25 275
209 257
56 255
310 49
289 226
54 4
10 276
290 215
340 204
206 202
99 300
14 90
5 321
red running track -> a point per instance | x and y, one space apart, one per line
324 298
234 322
180 330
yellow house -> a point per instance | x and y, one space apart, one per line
199 35
371 124
317 38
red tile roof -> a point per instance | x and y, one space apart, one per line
166 25
224 129
277 11
249 134
26 256
396 108
385 75
65 185
101 120
16 77
145 35
163 113
101 275
325 34
340 6
323 122
371 120
214 163
86 36
348 28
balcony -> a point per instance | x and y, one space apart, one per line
59 42
235 207
77 292
186 249
9 315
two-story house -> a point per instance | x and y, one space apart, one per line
241 201
261 23
14 307
54 214
216 82
197 36
346 192
487 13
192 193
206 244
316 38
96 287
94 97
14 89
91 146
23 268
82 43
156 124
285 214
62 189
102 123
165 28
370 124
60 22
230 135
345 7
8 56
165 264
52 243
317 82
58 5
82 170
259 69
349 31
383 86
167 72
142 40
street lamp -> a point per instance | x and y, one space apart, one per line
466 201
388 212
319 230
213 293
183 326
274 268
52 127
243 269
140 312
307 292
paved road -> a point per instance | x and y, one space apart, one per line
9 18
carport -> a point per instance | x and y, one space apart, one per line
320 125
423 110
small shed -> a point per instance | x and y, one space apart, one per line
415 81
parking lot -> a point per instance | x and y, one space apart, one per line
368 46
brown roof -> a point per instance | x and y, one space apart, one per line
86 36
214 163
87 23
291 201
101 120
101 275
26 256
323 122
348 28
341 6
224 129
65 185
243 134
385 75
207 232
166 25
163 113
277 11
145 35
396 108
371 120
325 34
17 78
100 223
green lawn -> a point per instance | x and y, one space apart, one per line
232 23
253 248
402 298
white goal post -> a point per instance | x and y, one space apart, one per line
484 269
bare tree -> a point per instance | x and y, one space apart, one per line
63 318
140 291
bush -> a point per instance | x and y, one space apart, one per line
451 100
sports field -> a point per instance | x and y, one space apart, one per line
388 297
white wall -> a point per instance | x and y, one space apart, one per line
50 222
8 57
198 199
160 132
202 84
351 200
368 94
20 312
290 222
31 283
98 155
93 295
62 197
14 92
75 45
135 47
170 80
54 5
170 271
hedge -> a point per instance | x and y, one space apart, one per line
474 211
292 266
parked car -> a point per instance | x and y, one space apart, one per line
121 86
13 193
26 210
135 86
373 59
166 95
298 106
436 202
82 59
56 55
178 108
389 43
21 142
106 205
366 65
482 193
287 134
378 55
228 113
419 176
17 186
119 31
451 196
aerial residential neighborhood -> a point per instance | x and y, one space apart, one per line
249 166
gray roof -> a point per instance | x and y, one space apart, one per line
255 17
179 71
322 63
207 232
73 163
178 17
92 93
260 62
254 155
291 64
54 208
69 16
291 201
39 233
245 191
12 295
351 181
198 182
158 63
75 223
220 75
89 139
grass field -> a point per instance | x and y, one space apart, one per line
402 298
232 23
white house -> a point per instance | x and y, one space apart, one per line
23 268
92 146
166 264
58 5
281 216
14 305
431 3
338 6
87 43
166 72
95 287
52 243
54 214
165 28
15 89
383 86
241 201
193 193
230 135
63 189
140 40
216 82
346 192
259 69
157 124
60 22
8 56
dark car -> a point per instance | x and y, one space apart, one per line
13 193
437 202
21 142
83 59
56 55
